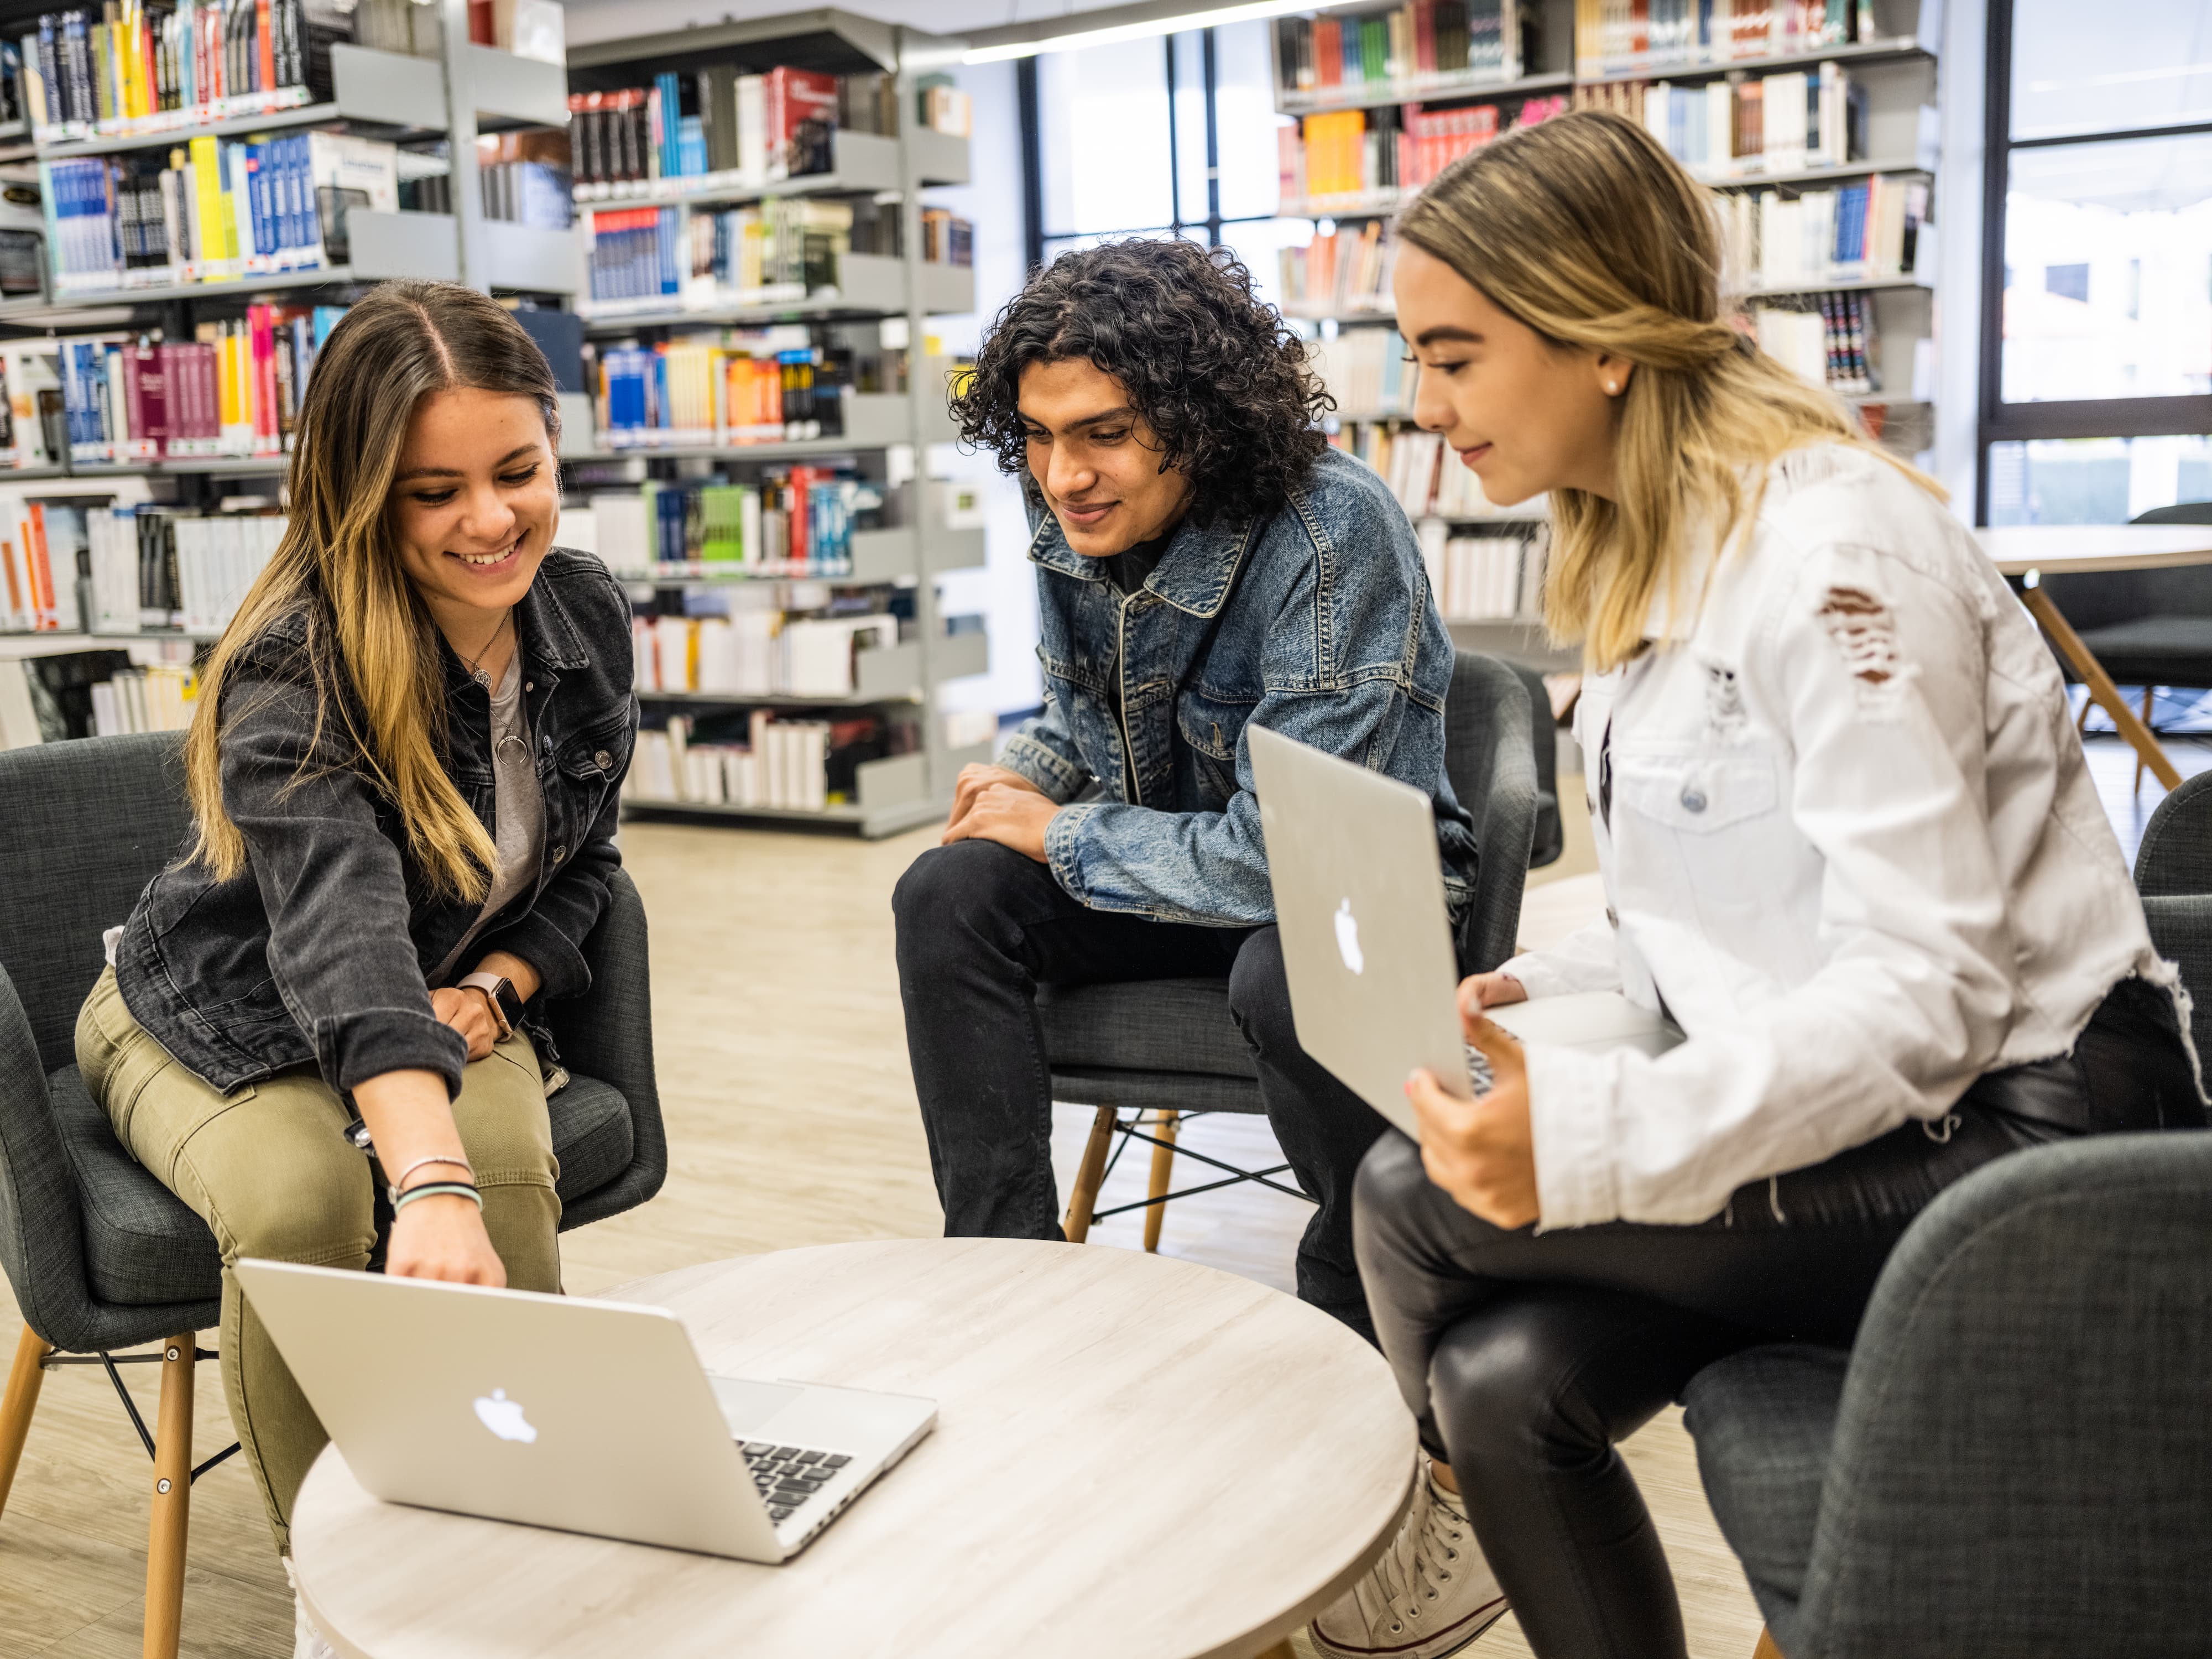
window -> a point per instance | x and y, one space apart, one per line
1166 137
2096 266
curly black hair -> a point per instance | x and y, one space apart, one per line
1226 388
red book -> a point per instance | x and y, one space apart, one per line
1328 51
1424 36
262 337
482 31
145 372
265 35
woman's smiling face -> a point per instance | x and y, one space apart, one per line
1527 415
476 498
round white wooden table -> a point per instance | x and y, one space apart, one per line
1134 1458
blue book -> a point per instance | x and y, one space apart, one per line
671 280
657 366
668 504
670 114
690 146
258 207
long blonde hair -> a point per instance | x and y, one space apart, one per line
372 651
1586 230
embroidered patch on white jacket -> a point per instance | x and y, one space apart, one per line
1865 632
1725 720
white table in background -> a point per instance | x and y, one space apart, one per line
1135 1458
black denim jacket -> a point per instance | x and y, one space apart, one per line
319 950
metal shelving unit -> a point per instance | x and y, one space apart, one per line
1901 59
902 791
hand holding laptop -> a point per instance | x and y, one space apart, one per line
1482 1151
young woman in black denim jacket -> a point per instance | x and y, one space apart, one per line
404 775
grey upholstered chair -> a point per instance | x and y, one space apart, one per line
2174 873
100 1255
2011 1461
1163 1050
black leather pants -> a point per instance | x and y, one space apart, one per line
1526 1358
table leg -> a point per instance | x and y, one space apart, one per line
2100 685
1281 1650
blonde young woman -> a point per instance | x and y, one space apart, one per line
1848 843
404 775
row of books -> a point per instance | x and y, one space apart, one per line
795 521
1835 343
738 386
756 652
1780 124
130 67
211 210
1484 578
784 249
49 698
1866 231
1338 274
235 392
1369 371
159 697
1614 35
40 545
157 567
1348 152
1429 481
1425 41
784 763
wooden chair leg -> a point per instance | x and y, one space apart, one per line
1085 1198
24 1380
172 1502
1766 1649
1163 1171
2146 694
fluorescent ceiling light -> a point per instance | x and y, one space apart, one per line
1111 33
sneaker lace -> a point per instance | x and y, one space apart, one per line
1424 1556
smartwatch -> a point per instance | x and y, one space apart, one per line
506 1003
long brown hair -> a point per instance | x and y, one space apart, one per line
371 650
1586 230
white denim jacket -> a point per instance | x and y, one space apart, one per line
1854 851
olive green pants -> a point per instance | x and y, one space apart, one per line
267 1167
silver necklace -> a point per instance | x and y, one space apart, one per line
497 633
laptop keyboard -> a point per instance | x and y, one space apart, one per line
787 1476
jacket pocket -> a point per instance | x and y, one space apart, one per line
1210 728
1695 794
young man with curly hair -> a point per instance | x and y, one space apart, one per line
1206 562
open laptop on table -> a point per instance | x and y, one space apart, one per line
592 1417
1367 942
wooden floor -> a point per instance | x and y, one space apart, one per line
792 1120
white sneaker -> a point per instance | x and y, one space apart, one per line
1431 1593
306 1641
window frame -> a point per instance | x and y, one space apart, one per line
1211 222
1998 421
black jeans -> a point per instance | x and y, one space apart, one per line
980 927
1527 1356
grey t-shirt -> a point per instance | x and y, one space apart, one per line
518 809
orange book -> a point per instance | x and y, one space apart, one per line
264 33
45 611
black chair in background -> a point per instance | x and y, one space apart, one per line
100 1255
1165 1050
2148 628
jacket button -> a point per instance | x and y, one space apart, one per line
558 854
547 744
530 685
603 761
1693 799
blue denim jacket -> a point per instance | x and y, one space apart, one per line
1316 622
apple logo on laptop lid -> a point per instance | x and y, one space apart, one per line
1347 937
504 1418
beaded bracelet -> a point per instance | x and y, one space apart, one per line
459 1188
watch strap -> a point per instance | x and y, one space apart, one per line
499 991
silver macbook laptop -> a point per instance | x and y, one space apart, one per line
593 1417
1367 942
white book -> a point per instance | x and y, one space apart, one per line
106 717
19 717
752 129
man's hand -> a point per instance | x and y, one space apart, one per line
974 778
1012 818
442 1236
1482 1151
1480 991
468 1013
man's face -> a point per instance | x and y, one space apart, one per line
1097 462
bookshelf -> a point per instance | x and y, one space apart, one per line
443 97
879 306
1382 132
